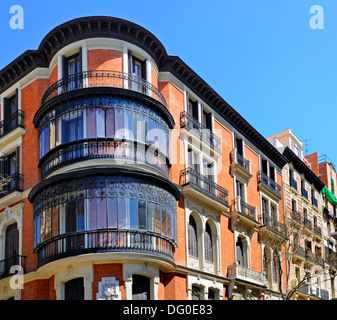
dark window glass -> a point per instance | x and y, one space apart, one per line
140 287
74 289
192 238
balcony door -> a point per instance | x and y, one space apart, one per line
140 288
72 69
10 113
74 289
11 247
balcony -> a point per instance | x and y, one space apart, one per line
242 273
6 264
296 216
293 183
121 152
84 242
272 229
307 224
269 185
240 165
198 186
15 183
298 253
317 231
244 214
102 78
314 291
12 127
206 135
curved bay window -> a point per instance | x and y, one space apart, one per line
90 128
104 212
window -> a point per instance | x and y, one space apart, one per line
11 247
137 68
239 146
207 120
11 106
208 244
240 259
192 238
74 289
196 293
140 287
240 187
72 67
193 109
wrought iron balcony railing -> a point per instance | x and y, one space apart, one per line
307 224
245 208
191 124
15 183
8 263
237 158
12 122
91 149
296 215
189 176
273 224
317 230
109 240
102 78
269 183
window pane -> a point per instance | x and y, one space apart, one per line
65 128
80 124
121 213
71 216
142 214
101 213
73 129
38 229
150 216
112 212
48 223
163 221
133 213
55 221
80 215
157 218
58 131
119 123
92 214
100 117
91 122
110 122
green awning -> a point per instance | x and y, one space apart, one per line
329 195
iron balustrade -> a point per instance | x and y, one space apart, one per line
293 182
192 124
102 78
307 223
269 183
8 263
190 176
245 208
318 230
274 225
15 183
304 193
92 149
12 122
104 240
298 251
238 158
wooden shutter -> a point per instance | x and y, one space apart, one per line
11 246
209 121
80 60
144 70
195 110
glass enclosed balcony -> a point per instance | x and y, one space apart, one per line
104 211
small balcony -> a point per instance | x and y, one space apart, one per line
298 253
246 274
307 224
102 78
8 263
198 186
244 214
273 229
296 216
12 127
314 291
317 231
269 185
240 165
15 183
206 135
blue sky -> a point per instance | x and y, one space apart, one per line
261 56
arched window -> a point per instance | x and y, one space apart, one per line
208 244
192 238
239 252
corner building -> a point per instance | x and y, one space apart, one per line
131 178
